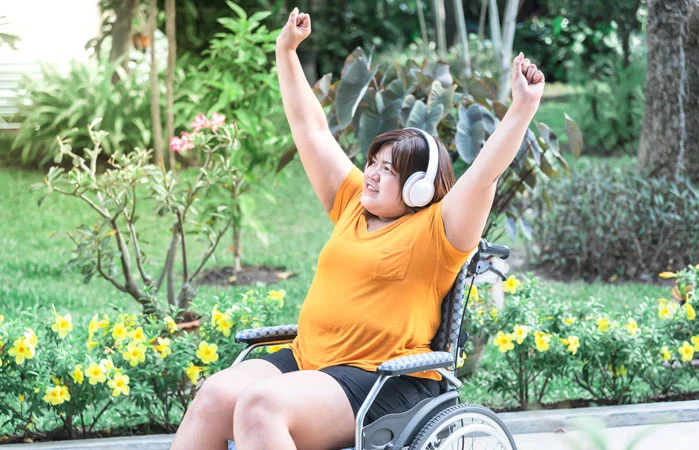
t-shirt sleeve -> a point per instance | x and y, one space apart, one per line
350 188
450 257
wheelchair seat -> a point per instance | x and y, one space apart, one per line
441 422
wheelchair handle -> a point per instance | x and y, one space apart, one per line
485 248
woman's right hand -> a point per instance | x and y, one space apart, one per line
296 29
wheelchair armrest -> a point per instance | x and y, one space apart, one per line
267 334
416 363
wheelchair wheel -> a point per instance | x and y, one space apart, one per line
464 427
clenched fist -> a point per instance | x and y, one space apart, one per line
296 29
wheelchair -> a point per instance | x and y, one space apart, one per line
441 422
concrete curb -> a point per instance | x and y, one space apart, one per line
549 421
545 421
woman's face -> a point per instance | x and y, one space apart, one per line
382 189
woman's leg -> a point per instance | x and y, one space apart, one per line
208 422
304 410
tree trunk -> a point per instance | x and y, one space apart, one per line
508 36
121 33
156 125
463 36
169 75
669 144
440 22
423 29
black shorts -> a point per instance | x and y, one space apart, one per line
397 395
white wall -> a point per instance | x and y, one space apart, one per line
50 30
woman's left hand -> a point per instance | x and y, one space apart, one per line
527 82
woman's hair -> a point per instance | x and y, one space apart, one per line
410 154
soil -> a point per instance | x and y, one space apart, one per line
248 275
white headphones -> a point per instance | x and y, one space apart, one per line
418 189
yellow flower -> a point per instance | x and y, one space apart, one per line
631 326
77 374
666 353
21 398
104 323
95 374
215 315
276 348
22 349
695 341
163 347
511 284
618 371
193 372
570 320
91 344
474 297
31 337
62 325
494 314
666 309
137 335
57 395
224 324
687 351
207 352
667 275
277 296
135 353
542 340
107 364
171 325
119 384
573 344
520 333
119 332
504 342
602 325
93 327
691 314
2 319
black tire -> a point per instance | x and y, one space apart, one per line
482 420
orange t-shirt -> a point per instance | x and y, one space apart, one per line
376 295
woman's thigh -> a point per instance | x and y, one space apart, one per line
312 404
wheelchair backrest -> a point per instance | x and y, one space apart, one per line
447 337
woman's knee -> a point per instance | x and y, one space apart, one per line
215 396
257 404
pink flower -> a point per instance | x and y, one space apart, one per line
200 122
216 121
186 142
175 144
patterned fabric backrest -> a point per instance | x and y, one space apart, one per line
452 309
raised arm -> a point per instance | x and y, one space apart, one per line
466 207
325 162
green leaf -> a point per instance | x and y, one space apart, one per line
441 95
355 79
424 118
322 87
379 117
474 126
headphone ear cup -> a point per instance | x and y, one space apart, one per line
412 180
422 192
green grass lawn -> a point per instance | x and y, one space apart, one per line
35 247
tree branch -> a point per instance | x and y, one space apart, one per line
106 276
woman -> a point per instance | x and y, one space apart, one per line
380 278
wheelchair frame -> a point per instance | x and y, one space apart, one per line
395 431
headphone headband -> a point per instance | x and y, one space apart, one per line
433 161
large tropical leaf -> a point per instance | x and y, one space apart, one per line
574 137
424 118
474 126
356 76
381 115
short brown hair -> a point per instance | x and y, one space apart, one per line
411 154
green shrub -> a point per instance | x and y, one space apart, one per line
57 103
606 222
55 375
